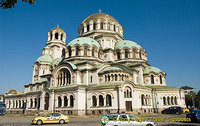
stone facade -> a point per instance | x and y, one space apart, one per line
97 73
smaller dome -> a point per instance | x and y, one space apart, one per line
45 58
149 69
111 69
56 61
84 40
98 16
127 44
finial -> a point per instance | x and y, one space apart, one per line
57 25
99 10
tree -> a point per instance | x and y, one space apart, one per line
5 4
197 100
188 100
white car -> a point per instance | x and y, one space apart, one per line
126 120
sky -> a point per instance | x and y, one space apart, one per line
168 29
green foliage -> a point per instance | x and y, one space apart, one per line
197 100
5 4
188 100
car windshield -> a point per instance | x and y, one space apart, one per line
133 117
2 105
193 112
112 117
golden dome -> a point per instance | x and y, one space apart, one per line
98 16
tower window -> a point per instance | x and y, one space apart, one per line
56 35
92 52
118 55
70 51
101 25
88 27
61 38
77 51
152 79
91 79
114 28
160 79
85 51
94 26
126 54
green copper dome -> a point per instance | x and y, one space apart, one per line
45 58
127 44
111 69
149 69
84 40
56 61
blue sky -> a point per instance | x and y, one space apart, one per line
168 29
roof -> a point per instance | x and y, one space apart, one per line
56 61
127 44
111 69
186 87
40 80
45 58
98 16
84 40
149 69
161 87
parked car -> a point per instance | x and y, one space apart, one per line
194 115
51 118
186 110
173 110
126 120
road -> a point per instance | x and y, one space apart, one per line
85 121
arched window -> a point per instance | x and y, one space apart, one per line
175 100
56 36
164 100
115 77
92 52
65 101
108 77
108 26
50 36
127 92
146 100
142 99
71 101
126 53
94 101
152 79
63 77
160 79
94 26
105 78
35 103
140 54
59 101
108 100
77 51
85 51
118 55
122 77
70 51
101 100
19 104
101 25
114 28
61 37
88 27
31 103
168 100
172 100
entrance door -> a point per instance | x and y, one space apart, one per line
129 106
46 105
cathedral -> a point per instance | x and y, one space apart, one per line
98 72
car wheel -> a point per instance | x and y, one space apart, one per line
149 125
62 121
39 122
178 113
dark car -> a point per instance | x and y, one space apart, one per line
173 110
194 115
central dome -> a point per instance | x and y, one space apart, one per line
98 16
